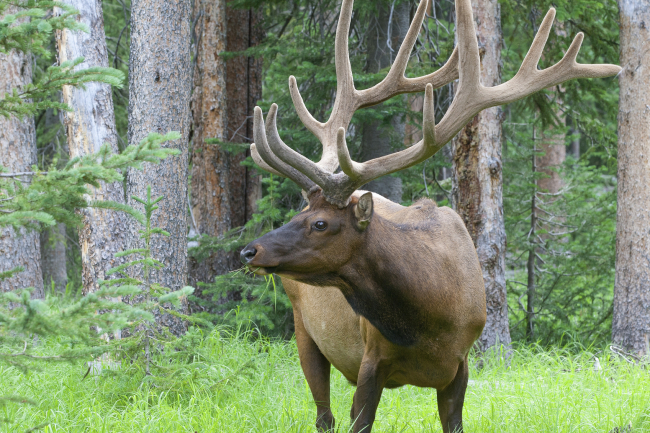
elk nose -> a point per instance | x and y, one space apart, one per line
247 254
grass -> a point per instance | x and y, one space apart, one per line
235 384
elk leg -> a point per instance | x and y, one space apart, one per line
366 398
317 372
450 401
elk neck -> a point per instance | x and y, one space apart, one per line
381 282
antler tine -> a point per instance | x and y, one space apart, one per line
362 173
266 160
444 75
469 63
395 82
348 99
344 79
472 97
388 86
539 42
259 161
314 126
290 156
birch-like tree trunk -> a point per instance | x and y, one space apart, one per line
223 191
631 319
18 153
477 191
90 125
159 101
384 39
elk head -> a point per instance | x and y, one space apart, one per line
335 188
314 244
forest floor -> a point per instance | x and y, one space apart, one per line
236 384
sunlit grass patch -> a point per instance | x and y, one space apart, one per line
236 384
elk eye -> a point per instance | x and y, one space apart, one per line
320 225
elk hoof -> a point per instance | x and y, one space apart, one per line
325 422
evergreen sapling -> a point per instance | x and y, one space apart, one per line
146 337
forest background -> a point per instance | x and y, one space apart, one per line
163 195
558 160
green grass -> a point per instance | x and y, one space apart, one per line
235 384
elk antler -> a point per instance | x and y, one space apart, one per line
471 97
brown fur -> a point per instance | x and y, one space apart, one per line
398 300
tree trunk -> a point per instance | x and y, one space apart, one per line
89 126
478 182
244 89
552 156
18 153
223 191
159 96
631 320
53 257
389 28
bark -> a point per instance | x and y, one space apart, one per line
89 126
478 182
159 96
53 258
18 153
631 319
244 89
552 155
223 191
389 28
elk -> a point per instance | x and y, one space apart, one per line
389 295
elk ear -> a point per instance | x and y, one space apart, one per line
363 210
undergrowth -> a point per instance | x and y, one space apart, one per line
234 383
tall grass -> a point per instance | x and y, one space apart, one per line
235 384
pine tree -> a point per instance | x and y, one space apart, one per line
90 124
51 197
159 97
25 30
226 89
478 180
152 295
631 324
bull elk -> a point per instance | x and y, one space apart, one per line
389 295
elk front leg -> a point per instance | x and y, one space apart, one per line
317 372
366 398
450 401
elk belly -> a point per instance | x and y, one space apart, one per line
331 323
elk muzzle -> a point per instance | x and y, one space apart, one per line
247 254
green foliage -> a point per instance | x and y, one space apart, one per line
240 298
73 321
574 235
32 98
237 383
574 244
53 196
138 345
27 25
